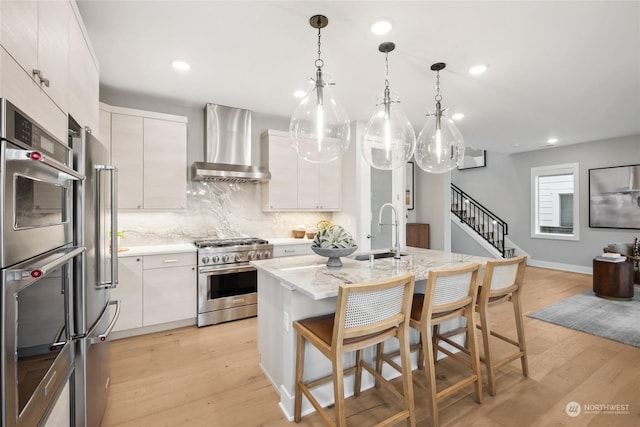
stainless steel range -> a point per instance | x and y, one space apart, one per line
227 284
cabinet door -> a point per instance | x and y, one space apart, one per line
165 160
330 187
53 49
127 156
169 294
83 80
104 132
129 293
60 415
19 34
283 165
308 184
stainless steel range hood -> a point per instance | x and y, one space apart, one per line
228 147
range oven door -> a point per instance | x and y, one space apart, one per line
37 352
226 293
36 187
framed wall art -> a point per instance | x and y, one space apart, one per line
614 197
473 158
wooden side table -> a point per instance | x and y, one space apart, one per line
613 280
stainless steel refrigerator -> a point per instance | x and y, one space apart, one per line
95 213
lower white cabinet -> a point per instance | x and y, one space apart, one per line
155 289
60 415
129 293
292 250
169 284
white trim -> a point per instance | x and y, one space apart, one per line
563 169
143 113
564 267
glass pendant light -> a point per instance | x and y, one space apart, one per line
319 128
388 140
440 146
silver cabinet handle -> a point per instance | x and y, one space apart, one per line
168 261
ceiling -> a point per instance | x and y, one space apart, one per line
563 69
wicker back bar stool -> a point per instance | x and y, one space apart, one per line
366 314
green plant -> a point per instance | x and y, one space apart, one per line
333 237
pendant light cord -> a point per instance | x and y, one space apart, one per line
319 61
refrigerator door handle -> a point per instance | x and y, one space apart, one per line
109 284
103 337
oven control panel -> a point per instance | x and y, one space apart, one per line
234 257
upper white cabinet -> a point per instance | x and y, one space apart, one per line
84 80
150 151
36 35
48 67
297 184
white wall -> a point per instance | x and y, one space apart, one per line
503 187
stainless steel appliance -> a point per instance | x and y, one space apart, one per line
228 147
227 284
95 228
35 188
37 259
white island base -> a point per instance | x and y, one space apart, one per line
300 287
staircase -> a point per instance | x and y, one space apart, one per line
480 219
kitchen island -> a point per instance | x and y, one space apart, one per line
293 288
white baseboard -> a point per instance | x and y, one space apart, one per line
558 266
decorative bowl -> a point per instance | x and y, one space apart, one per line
334 254
298 234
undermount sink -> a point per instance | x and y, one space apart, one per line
364 257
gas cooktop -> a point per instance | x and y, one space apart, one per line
223 243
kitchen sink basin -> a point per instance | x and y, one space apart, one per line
364 257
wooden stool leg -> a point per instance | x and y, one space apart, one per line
430 372
407 382
517 311
299 375
358 379
436 341
486 334
473 350
338 391
379 361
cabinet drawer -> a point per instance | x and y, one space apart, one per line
169 260
291 250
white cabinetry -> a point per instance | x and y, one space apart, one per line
48 69
60 414
84 80
297 184
129 293
150 151
169 283
292 250
156 289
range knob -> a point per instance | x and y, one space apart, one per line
216 259
238 257
225 258
205 259
267 254
250 256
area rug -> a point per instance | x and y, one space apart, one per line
614 320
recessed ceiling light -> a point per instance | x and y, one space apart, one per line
180 65
299 93
478 69
457 116
381 27
552 140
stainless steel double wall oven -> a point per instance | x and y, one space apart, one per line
37 259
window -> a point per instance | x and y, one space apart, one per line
554 202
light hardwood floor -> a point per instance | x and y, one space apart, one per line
210 376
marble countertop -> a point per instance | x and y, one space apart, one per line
156 249
310 275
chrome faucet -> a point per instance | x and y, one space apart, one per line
397 225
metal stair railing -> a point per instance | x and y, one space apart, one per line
484 222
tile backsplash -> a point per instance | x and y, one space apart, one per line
214 209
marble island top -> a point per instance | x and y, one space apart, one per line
310 275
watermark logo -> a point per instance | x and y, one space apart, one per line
573 409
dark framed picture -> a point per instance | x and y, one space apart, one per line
614 197
473 158
408 198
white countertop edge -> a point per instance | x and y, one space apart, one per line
158 249
290 241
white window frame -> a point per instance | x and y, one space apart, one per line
541 171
